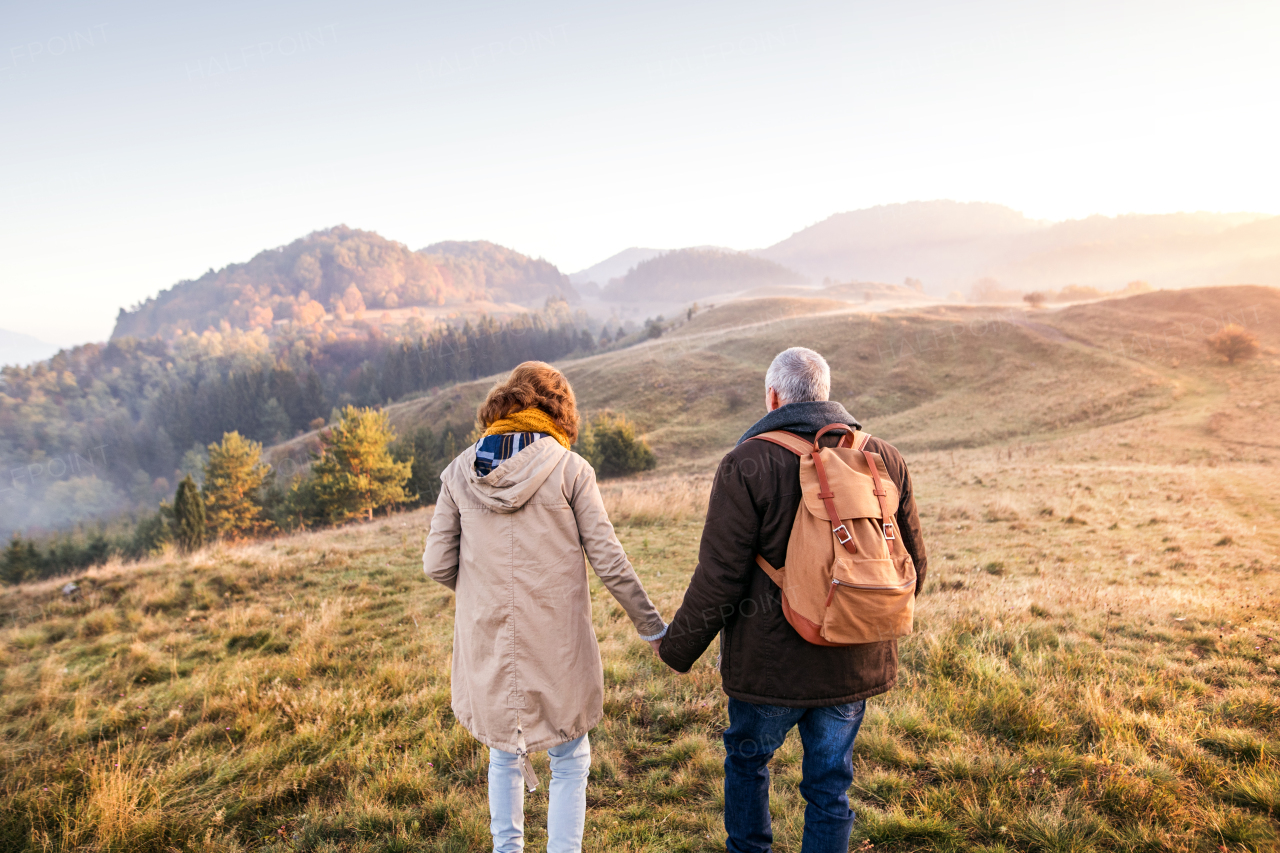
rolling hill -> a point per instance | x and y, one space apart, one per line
935 378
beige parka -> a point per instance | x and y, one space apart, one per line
510 545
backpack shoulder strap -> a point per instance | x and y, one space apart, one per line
775 575
886 523
828 498
799 447
790 441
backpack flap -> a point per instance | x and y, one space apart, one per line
850 478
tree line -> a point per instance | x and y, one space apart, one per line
353 475
362 467
143 411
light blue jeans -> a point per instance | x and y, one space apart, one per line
567 811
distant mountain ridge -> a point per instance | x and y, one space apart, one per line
343 271
949 245
614 266
687 274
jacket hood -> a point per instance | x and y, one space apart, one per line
803 418
510 486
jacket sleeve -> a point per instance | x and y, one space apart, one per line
440 557
607 558
908 518
726 559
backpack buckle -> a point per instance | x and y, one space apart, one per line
842 534
888 530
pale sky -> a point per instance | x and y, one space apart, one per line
144 143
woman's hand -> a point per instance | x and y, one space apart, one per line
655 645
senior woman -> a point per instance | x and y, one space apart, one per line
516 512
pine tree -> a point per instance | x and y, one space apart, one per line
355 472
188 515
233 479
421 449
313 399
15 563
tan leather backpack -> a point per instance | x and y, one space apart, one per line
848 579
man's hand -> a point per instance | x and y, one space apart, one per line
655 645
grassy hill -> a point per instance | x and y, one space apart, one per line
936 378
1094 667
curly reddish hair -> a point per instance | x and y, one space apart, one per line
533 384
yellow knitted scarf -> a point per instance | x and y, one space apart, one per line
528 420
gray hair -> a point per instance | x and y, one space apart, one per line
799 375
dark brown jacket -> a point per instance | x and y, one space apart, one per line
763 660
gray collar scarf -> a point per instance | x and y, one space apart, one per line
803 418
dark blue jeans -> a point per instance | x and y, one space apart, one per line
755 732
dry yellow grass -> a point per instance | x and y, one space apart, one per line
656 500
1094 666
1070 686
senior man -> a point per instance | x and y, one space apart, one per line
775 679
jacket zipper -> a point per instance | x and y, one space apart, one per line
835 583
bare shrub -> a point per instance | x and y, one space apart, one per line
954 512
1001 508
1234 343
990 290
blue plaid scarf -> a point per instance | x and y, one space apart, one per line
493 450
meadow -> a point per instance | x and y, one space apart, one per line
1094 665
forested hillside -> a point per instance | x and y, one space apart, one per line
501 274
107 427
693 273
341 272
